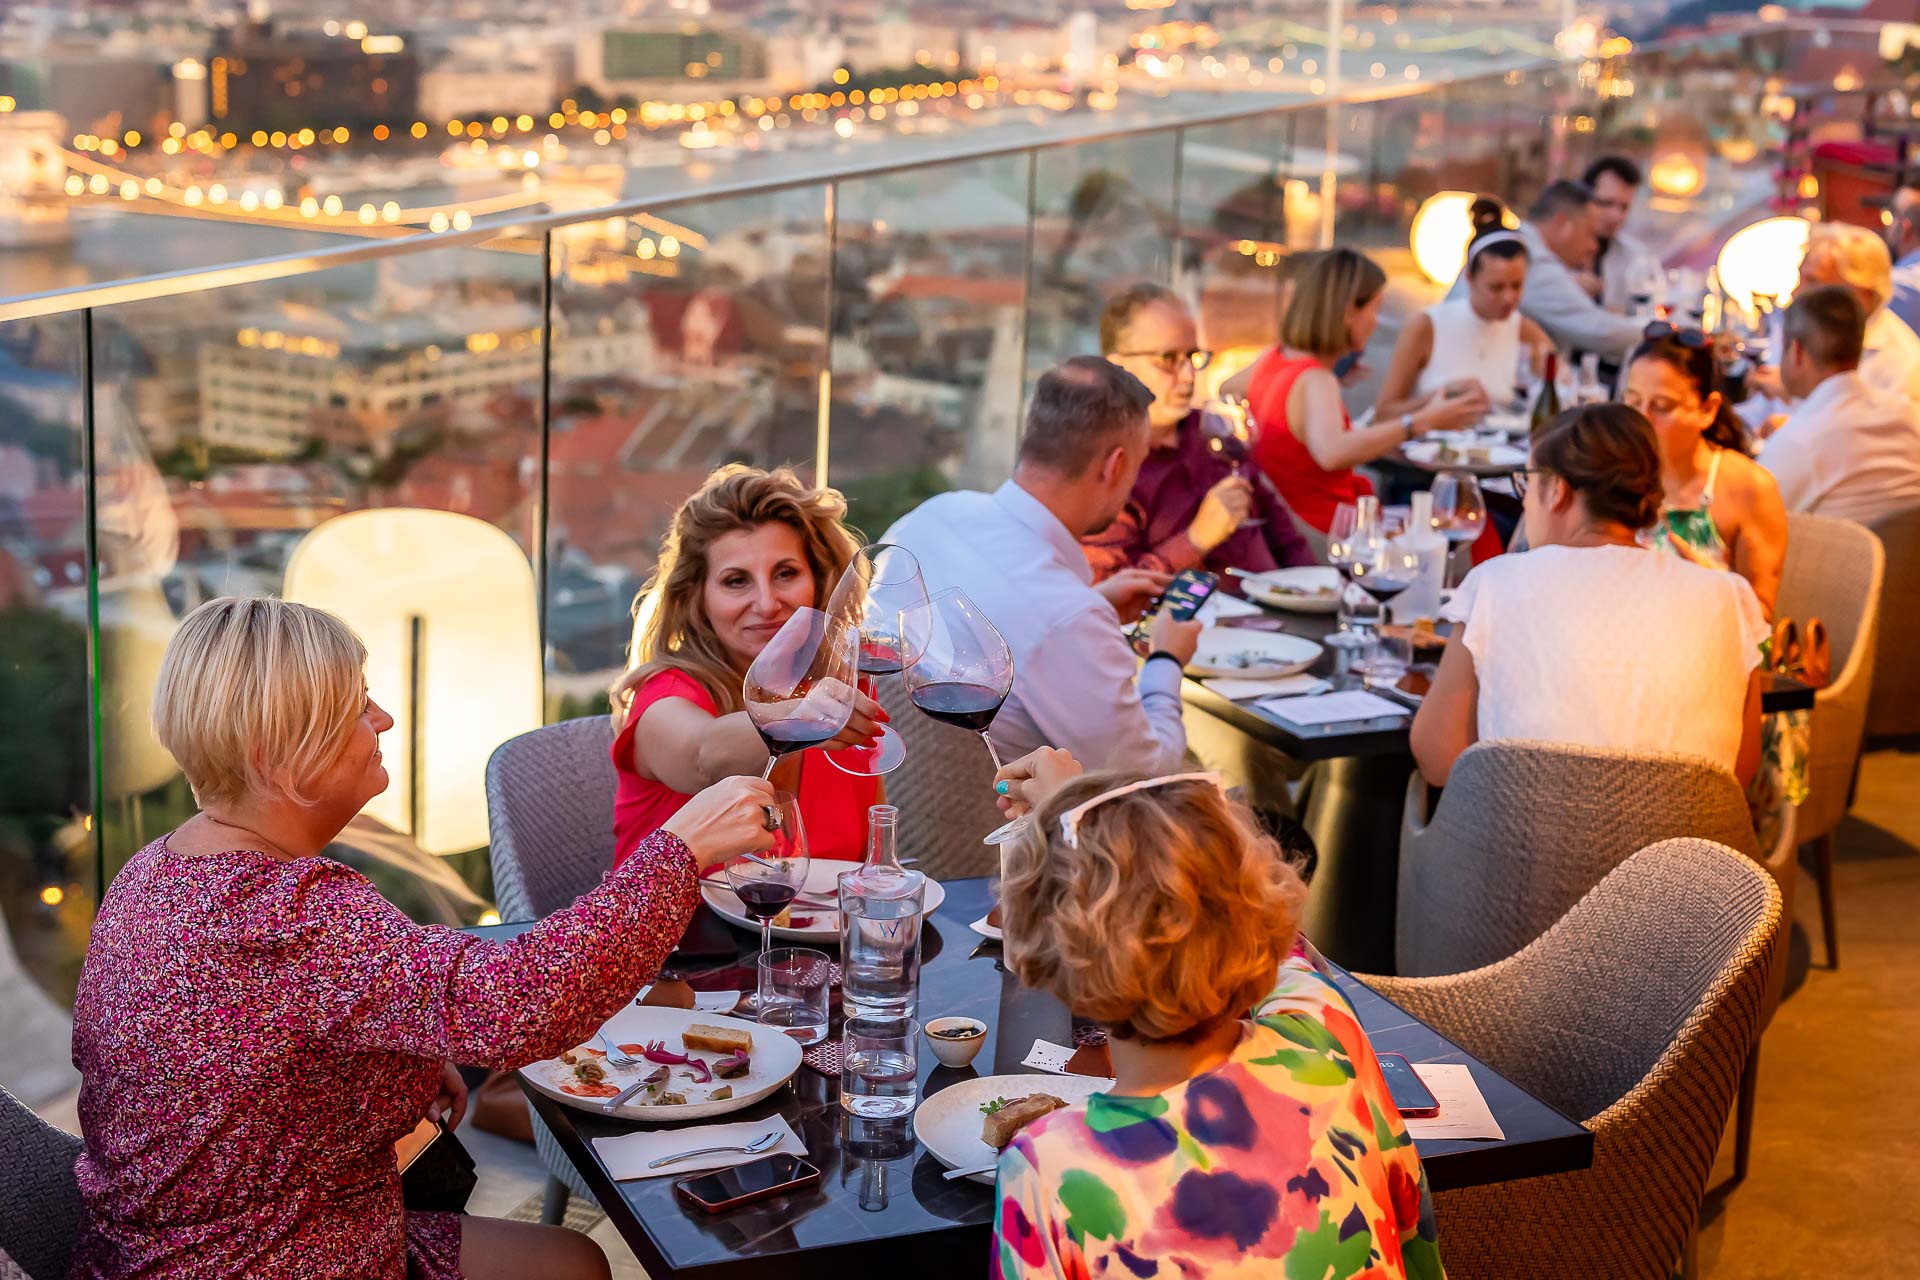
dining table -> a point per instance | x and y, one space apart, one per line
883 1198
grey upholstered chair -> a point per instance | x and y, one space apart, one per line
40 1202
944 791
1833 572
1636 1013
1523 829
550 830
1894 707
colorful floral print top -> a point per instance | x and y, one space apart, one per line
1287 1161
254 1035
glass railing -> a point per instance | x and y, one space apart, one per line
548 393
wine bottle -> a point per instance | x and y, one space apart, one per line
1546 406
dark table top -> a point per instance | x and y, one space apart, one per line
1387 734
879 1187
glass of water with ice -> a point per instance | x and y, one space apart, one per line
879 1066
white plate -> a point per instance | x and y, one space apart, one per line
1268 653
986 930
1427 453
1282 588
948 1123
776 1056
823 880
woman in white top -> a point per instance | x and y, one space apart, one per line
1475 336
1589 638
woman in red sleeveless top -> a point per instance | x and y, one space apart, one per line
1308 446
745 551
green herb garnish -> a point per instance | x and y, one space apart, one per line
988 1108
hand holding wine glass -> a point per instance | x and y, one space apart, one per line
724 821
800 691
1230 431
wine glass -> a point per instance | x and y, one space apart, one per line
880 583
1230 433
799 691
1525 378
1340 534
1459 512
767 882
961 673
1384 567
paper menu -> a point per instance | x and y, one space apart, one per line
1464 1113
1238 688
1332 708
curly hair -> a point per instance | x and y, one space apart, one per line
1169 914
672 632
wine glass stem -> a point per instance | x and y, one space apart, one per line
997 766
760 966
767 772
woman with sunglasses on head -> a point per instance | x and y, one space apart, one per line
1591 638
1249 1131
1719 507
1308 445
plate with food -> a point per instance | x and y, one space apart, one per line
1454 453
1232 651
814 916
694 1065
1313 588
966 1124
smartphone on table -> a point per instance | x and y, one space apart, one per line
725 1189
1409 1092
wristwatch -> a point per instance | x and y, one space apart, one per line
1406 426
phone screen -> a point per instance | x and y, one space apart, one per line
1187 592
749 1181
1410 1094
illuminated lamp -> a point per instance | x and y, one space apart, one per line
445 604
1676 174
1763 258
1441 230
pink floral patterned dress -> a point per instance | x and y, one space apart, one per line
253 1035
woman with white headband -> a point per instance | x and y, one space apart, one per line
1474 335
1249 1131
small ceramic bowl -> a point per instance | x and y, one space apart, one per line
955 1050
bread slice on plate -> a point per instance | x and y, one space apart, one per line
703 1035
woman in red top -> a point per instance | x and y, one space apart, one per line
745 551
1308 446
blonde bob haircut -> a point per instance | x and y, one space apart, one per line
1168 915
671 630
258 696
1324 289
1860 258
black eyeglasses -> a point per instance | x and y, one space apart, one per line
1691 338
1523 480
1170 360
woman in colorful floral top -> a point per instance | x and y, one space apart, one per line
256 1027
1229 1146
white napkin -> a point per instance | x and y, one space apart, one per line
703 1001
1238 688
1221 605
1333 708
1463 1108
1048 1056
626 1154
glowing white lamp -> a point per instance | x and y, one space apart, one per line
445 604
1764 258
1441 229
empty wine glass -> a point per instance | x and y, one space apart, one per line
1526 378
1459 512
879 584
1230 433
767 882
961 673
1340 534
799 692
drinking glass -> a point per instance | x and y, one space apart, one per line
1525 379
1230 433
1459 512
1340 535
792 992
766 882
879 1066
961 673
880 583
1384 567
799 691
1589 389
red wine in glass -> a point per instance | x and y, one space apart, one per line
765 900
880 654
1383 587
969 706
797 733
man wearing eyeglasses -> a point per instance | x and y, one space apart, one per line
1190 507
1903 241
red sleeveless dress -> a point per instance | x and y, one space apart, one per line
1312 491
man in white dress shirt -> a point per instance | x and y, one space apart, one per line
1849 450
1015 552
1621 260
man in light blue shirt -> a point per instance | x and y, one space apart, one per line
1903 239
1015 552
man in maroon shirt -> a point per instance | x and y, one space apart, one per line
1188 509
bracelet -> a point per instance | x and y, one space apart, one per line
1406 427
1162 653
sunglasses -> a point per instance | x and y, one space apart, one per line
1690 338
1171 360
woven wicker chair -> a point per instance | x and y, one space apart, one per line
1833 572
944 791
1894 707
1782 863
40 1206
550 829
1524 829
1636 1011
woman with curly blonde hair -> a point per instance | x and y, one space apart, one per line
1249 1131
742 554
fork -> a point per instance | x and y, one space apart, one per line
759 1144
618 1057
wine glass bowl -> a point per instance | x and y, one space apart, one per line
962 671
1231 433
799 691
1383 567
1459 511
879 584
768 881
